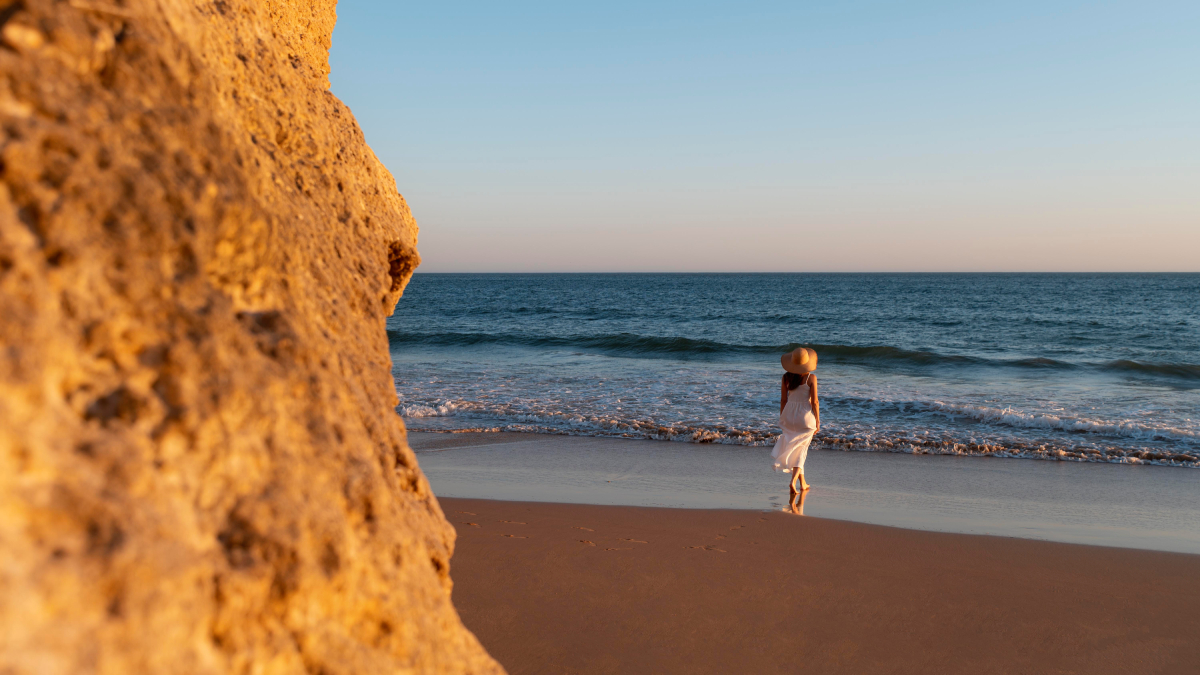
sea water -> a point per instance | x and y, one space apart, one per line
1074 367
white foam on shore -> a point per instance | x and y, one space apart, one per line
1025 420
472 416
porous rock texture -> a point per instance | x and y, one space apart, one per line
201 469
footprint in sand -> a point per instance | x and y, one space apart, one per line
588 529
636 541
737 527
708 548
618 549
514 536
471 524
467 512
513 522
585 541
720 536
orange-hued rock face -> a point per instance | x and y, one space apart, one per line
201 469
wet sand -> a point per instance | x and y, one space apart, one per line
1151 507
575 588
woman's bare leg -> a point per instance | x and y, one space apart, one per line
803 483
795 474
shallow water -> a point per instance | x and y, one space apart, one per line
1095 368
1148 507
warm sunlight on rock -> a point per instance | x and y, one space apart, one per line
201 470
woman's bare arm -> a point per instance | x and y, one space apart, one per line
816 403
782 394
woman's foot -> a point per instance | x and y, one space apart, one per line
792 490
803 487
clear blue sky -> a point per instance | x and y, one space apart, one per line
785 136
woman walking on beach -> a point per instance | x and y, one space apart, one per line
799 414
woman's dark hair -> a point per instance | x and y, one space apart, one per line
793 380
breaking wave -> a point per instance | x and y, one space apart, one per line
635 345
1185 371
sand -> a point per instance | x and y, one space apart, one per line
573 588
1150 507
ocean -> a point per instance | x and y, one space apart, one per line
1066 367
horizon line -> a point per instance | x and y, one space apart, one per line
419 271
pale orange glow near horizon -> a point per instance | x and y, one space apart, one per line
962 232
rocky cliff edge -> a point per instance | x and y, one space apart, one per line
201 469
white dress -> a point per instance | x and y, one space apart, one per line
798 424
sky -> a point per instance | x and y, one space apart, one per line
784 136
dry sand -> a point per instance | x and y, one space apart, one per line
569 588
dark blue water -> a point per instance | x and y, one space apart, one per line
1055 366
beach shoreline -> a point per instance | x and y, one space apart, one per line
1147 507
965 365
580 588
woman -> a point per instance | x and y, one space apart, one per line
799 414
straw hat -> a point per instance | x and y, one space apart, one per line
799 361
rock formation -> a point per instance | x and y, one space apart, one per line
201 469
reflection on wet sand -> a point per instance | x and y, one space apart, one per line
796 505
